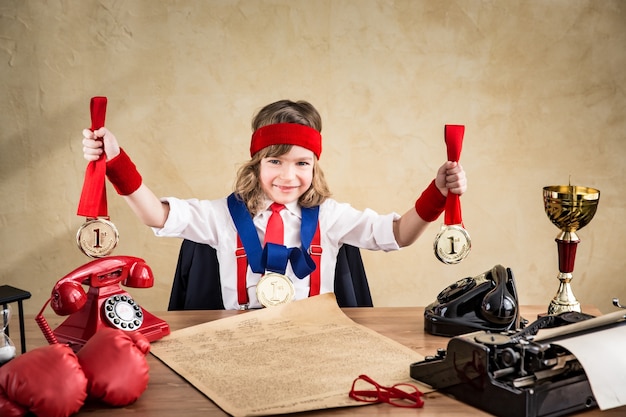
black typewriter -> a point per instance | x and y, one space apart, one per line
514 373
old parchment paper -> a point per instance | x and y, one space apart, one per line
295 357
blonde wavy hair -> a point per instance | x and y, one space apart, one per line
247 185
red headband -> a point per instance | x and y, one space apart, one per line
286 134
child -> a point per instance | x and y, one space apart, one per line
285 149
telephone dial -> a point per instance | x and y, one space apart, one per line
485 302
105 304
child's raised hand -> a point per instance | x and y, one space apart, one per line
98 141
451 177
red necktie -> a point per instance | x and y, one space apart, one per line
275 229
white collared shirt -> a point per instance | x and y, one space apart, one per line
209 222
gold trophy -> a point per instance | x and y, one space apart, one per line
570 208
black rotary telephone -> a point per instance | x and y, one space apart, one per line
484 302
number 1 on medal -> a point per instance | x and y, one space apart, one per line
97 238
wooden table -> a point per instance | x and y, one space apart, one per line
168 394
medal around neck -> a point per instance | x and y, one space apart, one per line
452 244
97 238
275 289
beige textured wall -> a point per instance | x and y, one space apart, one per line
540 86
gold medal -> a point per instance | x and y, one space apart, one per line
97 238
274 289
452 244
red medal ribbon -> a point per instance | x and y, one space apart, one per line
93 198
454 142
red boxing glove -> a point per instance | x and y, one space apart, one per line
47 381
123 174
115 364
431 203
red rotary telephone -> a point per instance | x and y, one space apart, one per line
105 305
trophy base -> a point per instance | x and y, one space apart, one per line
564 300
557 308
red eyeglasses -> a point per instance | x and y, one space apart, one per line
367 390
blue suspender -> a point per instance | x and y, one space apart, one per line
274 257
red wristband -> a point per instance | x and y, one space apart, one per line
431 203
123 174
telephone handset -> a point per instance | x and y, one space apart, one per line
106 303
485 302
